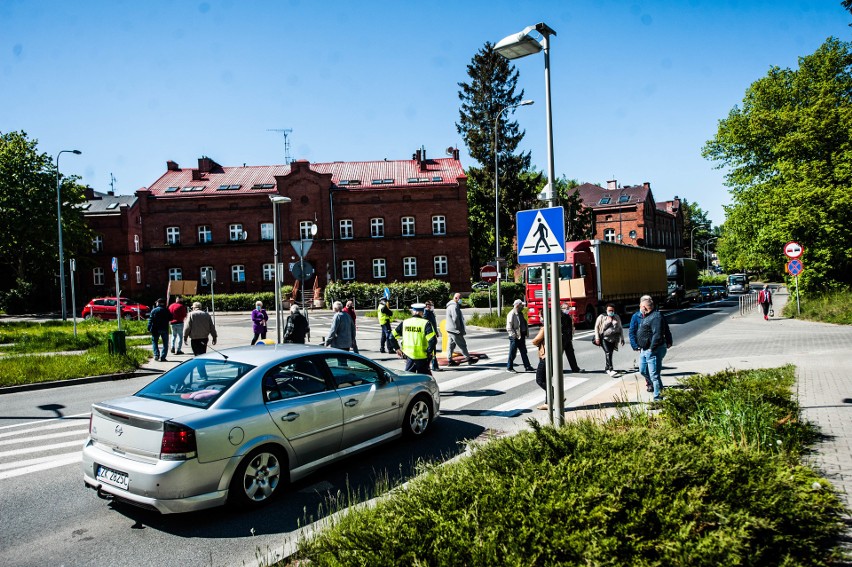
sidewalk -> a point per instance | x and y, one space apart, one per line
819 351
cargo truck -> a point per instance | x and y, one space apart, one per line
683 280
596 273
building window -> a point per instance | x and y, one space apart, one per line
348 269
172 235
408 226
346 230
205 234
305 227
441 266
235 232
439 225
409 266
633 234
238 273
604 201
623 198
98 276
175 274
380 268
609 235
377 228
139 274
266 232
136 242
207 275
98 244
268 272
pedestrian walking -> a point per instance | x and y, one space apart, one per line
456 332
385 318
541 370
764 298
198 329
350 310
517 328
158 326
296 328
342 331
653 338
429 314
608 335
259 318
417 340
568 339
635 321
178 312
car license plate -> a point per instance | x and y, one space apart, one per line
115 478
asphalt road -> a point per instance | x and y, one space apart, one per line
47 517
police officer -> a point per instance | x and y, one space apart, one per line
385 316
417 339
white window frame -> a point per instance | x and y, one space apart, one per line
441 265
172 235
98 244
267 231
609 234
347 230
98 276
305 230
347 269
408 226
235 232
136 243
377 227
269 272
439 225
205 234
139 274
238 273
380 268
409 266
175 274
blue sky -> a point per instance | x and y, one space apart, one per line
638 87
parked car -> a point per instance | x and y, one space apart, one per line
480 286
721 291
705 293
104 308
237 426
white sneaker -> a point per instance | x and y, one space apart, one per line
611 372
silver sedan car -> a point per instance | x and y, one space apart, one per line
237 426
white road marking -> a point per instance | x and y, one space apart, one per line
12 453
43 437
69 459
61 425
41 421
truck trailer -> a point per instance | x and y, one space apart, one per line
683 280
597 272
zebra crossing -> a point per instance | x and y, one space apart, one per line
28 448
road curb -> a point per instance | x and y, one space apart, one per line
78 381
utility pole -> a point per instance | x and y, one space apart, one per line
286 133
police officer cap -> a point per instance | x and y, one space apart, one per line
418 306
383 301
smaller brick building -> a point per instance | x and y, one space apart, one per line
630 215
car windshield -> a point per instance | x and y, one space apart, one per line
566 272
196 383
736 280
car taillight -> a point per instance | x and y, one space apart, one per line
178 443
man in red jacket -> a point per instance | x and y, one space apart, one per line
178 311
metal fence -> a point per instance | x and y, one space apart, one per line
748 302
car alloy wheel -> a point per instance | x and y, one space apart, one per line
417 417
257 478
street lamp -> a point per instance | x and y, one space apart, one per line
497 194
691 232
512 47
277 200
706 252
59 225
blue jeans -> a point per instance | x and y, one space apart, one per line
650 366
177 336
514 346
155 336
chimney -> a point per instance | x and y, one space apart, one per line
647 185
206 165
456 154
421 153
612 185
197 175
172 166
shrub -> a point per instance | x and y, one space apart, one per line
829 307
235 301
367 295
509 290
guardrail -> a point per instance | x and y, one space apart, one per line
748 302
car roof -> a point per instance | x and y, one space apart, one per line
261 354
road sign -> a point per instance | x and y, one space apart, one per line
541 235
114 264
488 274
296 270
793 250
387 293
301 247
795 267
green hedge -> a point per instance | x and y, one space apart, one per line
367 295
509 290
239 301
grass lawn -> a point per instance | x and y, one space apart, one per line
830 307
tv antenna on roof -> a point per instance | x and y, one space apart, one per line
286 132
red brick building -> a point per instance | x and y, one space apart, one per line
630 215
378 221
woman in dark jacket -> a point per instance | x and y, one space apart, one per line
296 327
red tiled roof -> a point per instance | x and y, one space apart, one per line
592 194
449 170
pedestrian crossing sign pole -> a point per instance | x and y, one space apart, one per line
541 235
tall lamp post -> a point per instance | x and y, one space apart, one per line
706 252
512 47
277 200
691 233
59 225
497 194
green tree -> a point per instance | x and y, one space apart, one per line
694 217
491 89
29 254
578 219
788 156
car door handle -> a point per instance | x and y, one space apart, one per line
350 403
289 417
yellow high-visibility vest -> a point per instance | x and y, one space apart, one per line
415 337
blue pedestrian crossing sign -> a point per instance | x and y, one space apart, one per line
541 235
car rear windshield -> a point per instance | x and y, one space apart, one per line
197 383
